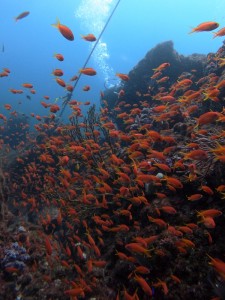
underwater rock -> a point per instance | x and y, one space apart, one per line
140 81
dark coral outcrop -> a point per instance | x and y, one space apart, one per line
140 76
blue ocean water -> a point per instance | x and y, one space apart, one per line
136 26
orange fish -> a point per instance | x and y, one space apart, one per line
4 74
86 88
27 85
159 109
144 285
195 197
176 183
75 292
57 72
6 70
168 209
22 15
209 222
156 74
64 30
161 67
167 98
123 77
220 188
7 106
137 248
60 82
89 37
75 77
163 79
210 213
11 270
163 285
207 189
208 117
218 265
59 56
45 105
221 32
48 246
206 26
88 71
69 88
196 155
54 108
159 222
175 278
142 270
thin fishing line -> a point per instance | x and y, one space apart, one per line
69 95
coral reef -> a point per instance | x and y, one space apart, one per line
128 202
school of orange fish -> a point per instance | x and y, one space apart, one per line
120 203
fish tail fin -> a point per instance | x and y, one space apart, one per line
192 30
214 35
57 23
199 214
148 254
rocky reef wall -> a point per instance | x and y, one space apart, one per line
140 81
